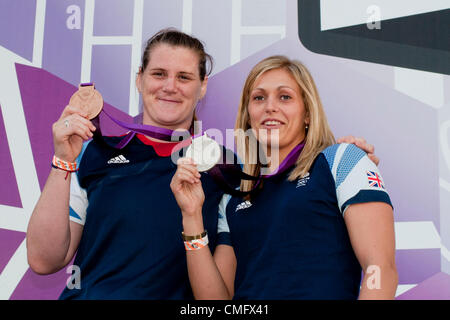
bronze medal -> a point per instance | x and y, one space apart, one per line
88 99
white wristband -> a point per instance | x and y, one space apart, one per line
196 244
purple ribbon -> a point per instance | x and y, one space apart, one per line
148 130
288 161
216 172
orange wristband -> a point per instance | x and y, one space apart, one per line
64 165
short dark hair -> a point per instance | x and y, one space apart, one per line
177 38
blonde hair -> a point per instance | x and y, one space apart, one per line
318 136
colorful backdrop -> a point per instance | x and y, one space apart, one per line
382 71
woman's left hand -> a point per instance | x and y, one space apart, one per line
361 143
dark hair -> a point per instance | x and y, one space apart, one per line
177 38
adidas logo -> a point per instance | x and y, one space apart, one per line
303 180
243 205
118 159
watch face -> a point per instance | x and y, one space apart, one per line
403 33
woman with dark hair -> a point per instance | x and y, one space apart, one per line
312 224
120 216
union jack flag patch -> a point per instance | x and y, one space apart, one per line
374 180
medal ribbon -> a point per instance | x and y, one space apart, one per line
148 130
216 172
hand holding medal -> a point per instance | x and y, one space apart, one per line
74 125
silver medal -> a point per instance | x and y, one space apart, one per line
205 152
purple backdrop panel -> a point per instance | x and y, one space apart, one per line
9 191
17 20
269 12
219 12
63 46
435 288
219 106
44 96
38 287
112 79
426 262
250 42
9 242
159 15
113 18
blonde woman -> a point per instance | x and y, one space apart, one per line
313 223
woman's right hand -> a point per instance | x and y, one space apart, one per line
187 188
69 132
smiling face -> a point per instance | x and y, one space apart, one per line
171 87
276 103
